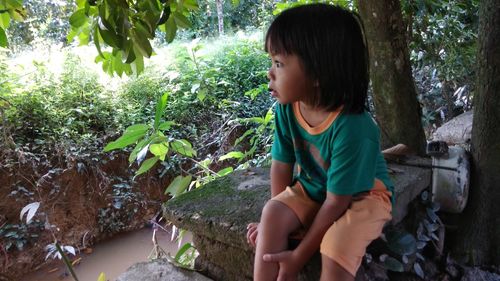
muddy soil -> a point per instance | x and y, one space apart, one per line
82 202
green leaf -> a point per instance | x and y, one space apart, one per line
225 171
232 154
191 5
83 38
246 134
401 242
138 64
258 120
393 264
14 4
182 250
150 21
145 28
72 34
95 37
146 165
159 138
4 20
137 149
178 185
18 14
81 3
253 93
183 147
102 277
128 55
166 125
181 20
170 29
159 149
202 94
78 18
117 64
269 116
66 261
160 108
3 39
30 210
109 37
130 136
418 270
140 38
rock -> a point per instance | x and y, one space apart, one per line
456 131
218 214
473 274
160 270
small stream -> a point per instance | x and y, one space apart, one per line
112 257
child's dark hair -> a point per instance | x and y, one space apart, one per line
330 43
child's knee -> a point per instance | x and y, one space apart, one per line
273 209
279 215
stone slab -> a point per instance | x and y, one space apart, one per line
218 214
160 270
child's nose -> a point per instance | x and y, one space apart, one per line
270 74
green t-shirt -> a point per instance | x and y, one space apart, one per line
341 155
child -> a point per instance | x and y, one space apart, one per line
339 200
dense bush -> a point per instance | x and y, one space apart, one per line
207 82
442 36
68 108
72 108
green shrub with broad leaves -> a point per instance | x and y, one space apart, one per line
45 109
208 83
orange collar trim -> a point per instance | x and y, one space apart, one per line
317 129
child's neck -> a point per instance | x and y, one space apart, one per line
314 116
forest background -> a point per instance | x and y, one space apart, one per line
58 110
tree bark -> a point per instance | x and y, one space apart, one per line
220 16
396 106
478 241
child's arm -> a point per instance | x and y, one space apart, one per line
292 261
281 176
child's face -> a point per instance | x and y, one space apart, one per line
288 80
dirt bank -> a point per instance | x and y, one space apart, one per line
82 202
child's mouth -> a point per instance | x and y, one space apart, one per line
273 93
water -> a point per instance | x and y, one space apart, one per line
112 257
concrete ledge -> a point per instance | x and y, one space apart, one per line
218 214
160 270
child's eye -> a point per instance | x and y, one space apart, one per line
278 63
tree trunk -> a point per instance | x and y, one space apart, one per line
220 16
478 241
396 106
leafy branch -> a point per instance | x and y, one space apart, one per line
127 27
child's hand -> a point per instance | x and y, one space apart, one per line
288 265
252 231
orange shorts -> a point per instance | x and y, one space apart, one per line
346 240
